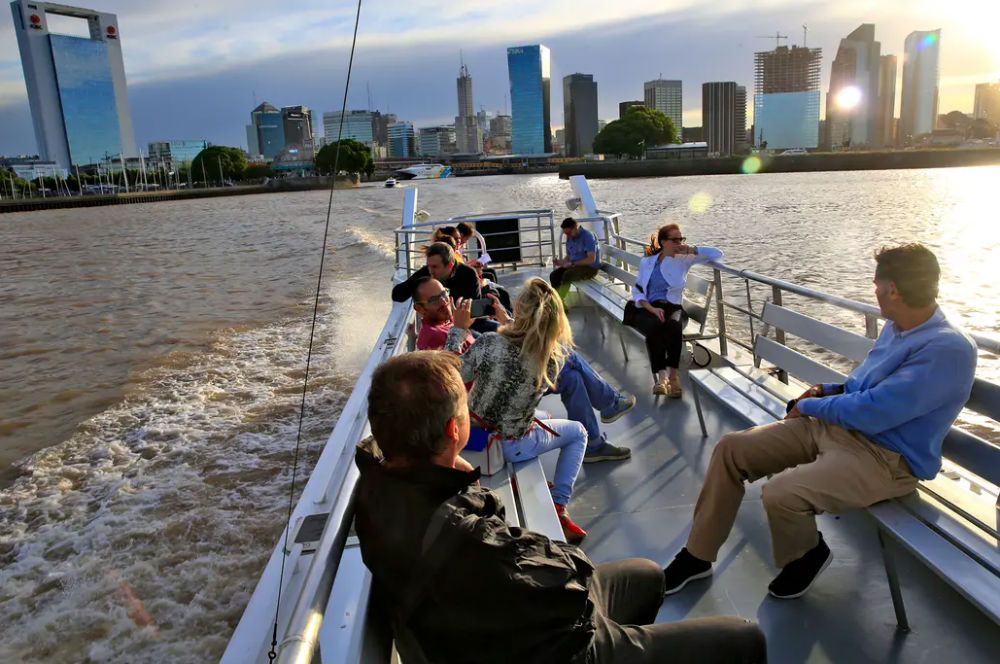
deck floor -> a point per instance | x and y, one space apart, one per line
643 506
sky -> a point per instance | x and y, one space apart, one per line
195 69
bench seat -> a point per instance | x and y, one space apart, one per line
943 524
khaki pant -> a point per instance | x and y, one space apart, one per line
826 469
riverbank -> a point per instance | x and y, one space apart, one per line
274 186
791 163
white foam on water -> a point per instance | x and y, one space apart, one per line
141 537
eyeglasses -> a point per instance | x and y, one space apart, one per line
434 300
677 239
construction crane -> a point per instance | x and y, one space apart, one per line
805 32
777 36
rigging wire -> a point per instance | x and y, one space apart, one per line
272 653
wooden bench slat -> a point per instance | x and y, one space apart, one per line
973 581
852 346
608 251
936 499
795 363
759 395
535 500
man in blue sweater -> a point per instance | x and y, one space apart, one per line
843 446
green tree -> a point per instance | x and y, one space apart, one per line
983 128
355 157
206 164
258 171
640 128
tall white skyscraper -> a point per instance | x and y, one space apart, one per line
76 85
468 133
852 110
665 96
919 108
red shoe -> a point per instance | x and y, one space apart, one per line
573 533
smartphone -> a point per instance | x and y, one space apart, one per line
482 307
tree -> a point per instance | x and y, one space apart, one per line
983 128
206 164
258 172
641 127
355 157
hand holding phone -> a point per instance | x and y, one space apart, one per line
482 307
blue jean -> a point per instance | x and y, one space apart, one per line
571 443
582 390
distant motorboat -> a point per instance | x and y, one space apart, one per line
390 182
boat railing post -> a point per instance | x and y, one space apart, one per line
409 215
749 309
779 334
871 326
720 312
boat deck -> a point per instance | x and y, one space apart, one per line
643 507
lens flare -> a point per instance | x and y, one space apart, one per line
751 164
927 40
700 202
849 97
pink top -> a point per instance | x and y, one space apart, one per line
432 337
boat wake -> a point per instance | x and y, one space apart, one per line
141 537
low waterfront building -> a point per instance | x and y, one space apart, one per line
696 150
174 154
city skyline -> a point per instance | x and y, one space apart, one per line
197 86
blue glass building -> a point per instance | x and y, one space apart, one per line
528 67
787 119
174 154
267 123
76 85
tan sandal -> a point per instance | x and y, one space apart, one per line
674 390
661 387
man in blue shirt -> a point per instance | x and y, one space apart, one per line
843 446
583 257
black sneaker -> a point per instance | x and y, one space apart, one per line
682 570
796 577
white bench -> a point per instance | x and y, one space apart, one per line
612 302
943 524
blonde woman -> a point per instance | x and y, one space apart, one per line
512 369
658 294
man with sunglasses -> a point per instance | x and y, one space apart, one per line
432 302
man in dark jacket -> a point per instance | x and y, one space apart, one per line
460 585
442 264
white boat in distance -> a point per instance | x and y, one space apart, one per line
424 172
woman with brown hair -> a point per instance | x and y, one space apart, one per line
657 296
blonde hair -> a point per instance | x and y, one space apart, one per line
541 329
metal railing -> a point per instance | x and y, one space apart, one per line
411 240
778 288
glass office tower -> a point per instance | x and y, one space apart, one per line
76 86
529 70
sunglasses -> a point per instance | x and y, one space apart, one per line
434 300
676 239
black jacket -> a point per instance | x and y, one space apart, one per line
502 594
464 282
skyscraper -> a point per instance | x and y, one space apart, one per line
786 97
852 109
267 126
76 86
402 140
579 114
724 117
919 101
359 125
623 107
987 104
468 133
529 71
296 124
884 130
667 97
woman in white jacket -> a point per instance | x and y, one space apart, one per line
657 295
